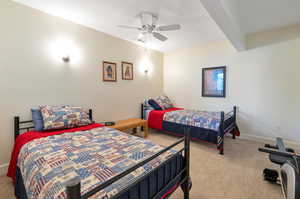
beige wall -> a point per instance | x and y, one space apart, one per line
31 76
263 82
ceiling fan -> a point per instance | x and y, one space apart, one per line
149 27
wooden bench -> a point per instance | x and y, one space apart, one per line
131 123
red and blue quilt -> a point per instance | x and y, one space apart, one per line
203 119
94 156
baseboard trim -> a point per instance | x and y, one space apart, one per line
3 169
268 140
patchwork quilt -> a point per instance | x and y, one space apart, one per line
196 118
94 156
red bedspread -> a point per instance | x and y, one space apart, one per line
156 117
31 135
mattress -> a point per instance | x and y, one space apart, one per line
46 165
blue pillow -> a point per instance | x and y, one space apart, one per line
37 119
153 104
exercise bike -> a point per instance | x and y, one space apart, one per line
289 175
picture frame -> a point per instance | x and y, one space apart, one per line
109 71
127 71
214 82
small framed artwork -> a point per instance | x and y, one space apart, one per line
127 71
214 82
109 71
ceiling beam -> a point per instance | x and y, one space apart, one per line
223 19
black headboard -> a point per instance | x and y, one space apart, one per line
25 126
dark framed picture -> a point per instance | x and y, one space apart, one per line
109 71
214 82
127 71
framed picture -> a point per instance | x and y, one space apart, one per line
214 82
109 71
127 71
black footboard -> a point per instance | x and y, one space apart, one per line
227 125
73 189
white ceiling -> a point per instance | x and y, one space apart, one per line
260 15
105 15
198 18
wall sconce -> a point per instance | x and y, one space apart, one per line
146 70
66 58
146 66
65 50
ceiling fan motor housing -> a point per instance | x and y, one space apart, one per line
148 21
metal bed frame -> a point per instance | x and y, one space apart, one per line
73 188
222 130
20 126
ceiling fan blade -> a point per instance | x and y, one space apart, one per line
159 36
129 27
169 27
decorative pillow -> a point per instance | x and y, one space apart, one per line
164 102
59 117
147 106
37 119
154 105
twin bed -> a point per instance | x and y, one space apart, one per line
204 126
94 161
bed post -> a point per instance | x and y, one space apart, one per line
221 135
142 115
73 189
142 111
91 114
234 113
16 126
187 184
234 120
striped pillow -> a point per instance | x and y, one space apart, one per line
62 117
164 102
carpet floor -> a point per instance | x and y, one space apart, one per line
236 175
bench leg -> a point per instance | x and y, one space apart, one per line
134 130
145 127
